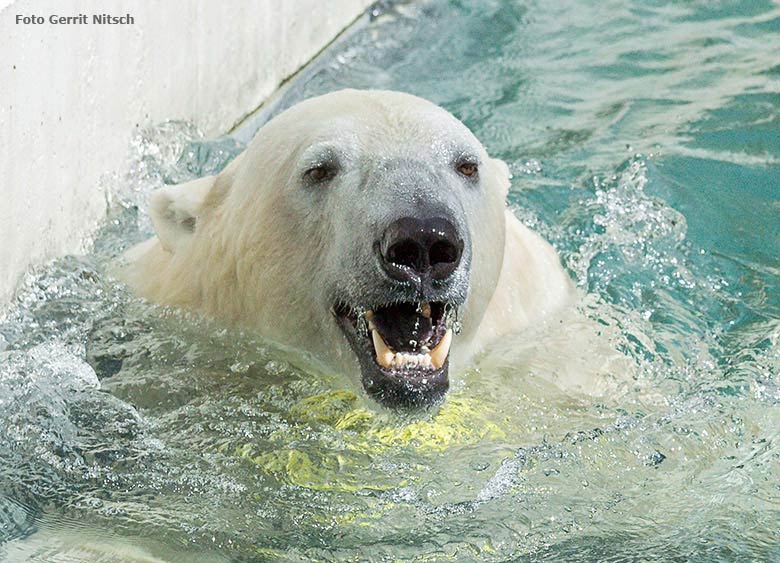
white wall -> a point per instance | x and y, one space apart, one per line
71 95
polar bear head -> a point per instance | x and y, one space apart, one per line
363 227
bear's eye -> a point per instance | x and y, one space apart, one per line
467 168
320 173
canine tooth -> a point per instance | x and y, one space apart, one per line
439 354
425 310
368 317
383 354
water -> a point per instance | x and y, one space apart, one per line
644 139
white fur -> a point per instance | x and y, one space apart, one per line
262 248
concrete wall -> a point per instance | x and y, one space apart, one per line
71 95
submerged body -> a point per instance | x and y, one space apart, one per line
367 228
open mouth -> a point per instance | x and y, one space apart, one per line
403 349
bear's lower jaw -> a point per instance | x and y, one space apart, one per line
402 349
403 388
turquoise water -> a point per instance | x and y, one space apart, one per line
644 141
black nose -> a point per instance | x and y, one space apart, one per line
414 249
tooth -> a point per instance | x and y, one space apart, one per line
427 361
425 310
398 359
369 314
439 354
383 354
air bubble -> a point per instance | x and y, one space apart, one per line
362 325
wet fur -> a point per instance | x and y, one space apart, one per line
270 253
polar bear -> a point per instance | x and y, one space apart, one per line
366 228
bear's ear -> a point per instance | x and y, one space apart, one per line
502 175
175 211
